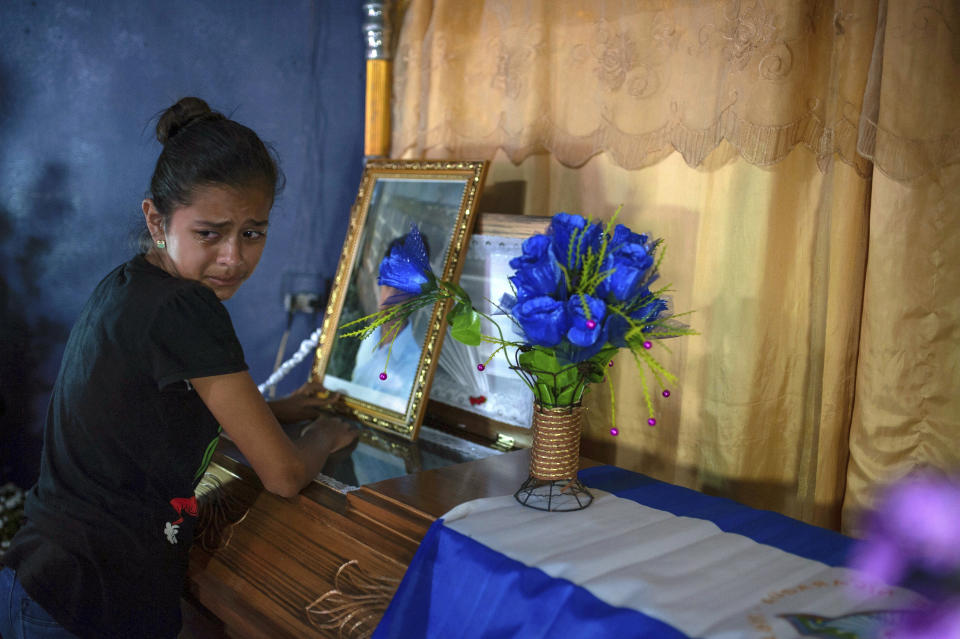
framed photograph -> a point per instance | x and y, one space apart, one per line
438 197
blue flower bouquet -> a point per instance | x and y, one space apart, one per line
582 292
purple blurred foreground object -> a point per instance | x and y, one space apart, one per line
914 536
940 621
916 524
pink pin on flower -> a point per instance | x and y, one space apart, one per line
591 324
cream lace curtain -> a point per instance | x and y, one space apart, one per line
827 293
640 79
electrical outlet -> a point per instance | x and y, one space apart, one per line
302 302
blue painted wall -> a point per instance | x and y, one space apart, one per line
80 84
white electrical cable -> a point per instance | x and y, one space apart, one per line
307 346
272 390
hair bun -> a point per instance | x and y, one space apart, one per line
182 114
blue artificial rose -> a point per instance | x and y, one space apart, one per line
537 273
571 236
534 250
622 234
630 262
543 320
617 328
580 332
406 266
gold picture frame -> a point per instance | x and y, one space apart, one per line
439 197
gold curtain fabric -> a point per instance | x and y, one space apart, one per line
826 292
907 407
909 125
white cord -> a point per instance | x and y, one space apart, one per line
307 346
279 359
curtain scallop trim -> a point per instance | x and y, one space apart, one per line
760 145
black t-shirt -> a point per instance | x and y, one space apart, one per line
110 521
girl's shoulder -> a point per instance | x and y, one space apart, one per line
145 280
138 294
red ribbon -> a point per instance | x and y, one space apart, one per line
182 504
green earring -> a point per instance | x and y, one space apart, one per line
161 244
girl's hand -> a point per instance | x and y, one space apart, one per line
336 432
306 403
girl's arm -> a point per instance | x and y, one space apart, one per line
283 466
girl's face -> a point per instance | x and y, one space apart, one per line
217 240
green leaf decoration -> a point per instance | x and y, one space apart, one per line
465 324
542 365
569 388
431 284
598 370
458 292
556 384
539 360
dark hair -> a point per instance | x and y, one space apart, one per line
202 147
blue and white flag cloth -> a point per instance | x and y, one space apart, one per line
646 560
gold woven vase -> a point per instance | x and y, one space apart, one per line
554 461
